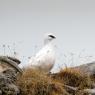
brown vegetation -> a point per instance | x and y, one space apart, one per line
66 82
34 82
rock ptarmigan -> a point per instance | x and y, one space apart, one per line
45 58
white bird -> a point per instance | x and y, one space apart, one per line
45 58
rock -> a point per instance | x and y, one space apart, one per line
14 59
7 83
88 68
8 74
90 91
0 92
9 62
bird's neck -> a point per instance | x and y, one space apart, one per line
47 42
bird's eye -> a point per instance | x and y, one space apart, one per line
51 36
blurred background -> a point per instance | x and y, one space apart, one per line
23 24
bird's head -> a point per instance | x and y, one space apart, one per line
49 37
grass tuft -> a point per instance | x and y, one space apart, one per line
34 82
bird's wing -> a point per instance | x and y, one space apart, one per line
44 51
45 55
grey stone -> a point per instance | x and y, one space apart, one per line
7 83
88 68
8 75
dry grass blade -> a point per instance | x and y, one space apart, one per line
34 82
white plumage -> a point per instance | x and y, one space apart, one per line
45 58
